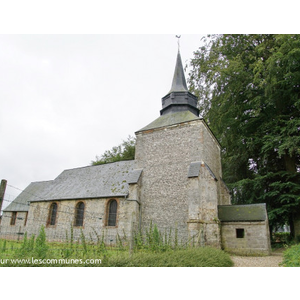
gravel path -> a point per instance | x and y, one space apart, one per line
262 261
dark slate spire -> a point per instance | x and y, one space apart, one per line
179 98
179 83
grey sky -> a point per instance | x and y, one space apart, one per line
67 98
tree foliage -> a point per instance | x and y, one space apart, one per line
124 151
249 91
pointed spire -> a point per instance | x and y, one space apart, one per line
179 99
179 83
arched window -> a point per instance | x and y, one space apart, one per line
79 212
13 218
112 213
52 214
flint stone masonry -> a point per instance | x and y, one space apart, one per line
13 231
165 155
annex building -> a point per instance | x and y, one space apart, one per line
175 182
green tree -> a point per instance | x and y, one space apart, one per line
124 151
249 91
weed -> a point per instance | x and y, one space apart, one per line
41 247
4 246
151 248
82 238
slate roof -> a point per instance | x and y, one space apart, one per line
194 169
107 180
171 119
21 203
134 176
179 105
179 82
235 213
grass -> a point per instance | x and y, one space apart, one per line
150 250
190 257
193 257
291 256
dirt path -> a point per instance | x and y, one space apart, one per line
262 261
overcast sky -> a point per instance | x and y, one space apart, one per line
67 98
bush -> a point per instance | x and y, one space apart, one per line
281 237
291 257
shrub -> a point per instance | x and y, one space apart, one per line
291 257
41 247
282 237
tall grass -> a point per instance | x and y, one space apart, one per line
150 249
154 240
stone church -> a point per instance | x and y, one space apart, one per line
175 182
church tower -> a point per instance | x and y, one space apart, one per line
181 185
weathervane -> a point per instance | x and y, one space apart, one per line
178 36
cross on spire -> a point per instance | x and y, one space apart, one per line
178 37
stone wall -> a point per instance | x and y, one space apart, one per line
169 198
202 193
94 223
224 194
246 238
13 231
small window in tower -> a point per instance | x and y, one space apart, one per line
240 233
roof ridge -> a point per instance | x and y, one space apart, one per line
109 163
